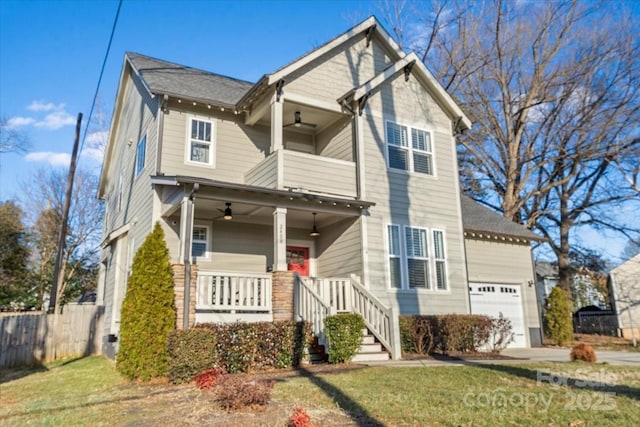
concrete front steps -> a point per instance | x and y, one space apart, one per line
370 350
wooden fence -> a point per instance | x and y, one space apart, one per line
35 338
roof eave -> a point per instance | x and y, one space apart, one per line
493 235
204 101
108 153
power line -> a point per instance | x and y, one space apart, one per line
104 63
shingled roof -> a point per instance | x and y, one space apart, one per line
479 219
180 81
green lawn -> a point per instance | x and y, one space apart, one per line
90 392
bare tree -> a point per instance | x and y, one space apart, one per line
553 91
44 199
11 140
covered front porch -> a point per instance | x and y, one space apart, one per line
257 254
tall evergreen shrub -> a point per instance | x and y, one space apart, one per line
559 328
148 311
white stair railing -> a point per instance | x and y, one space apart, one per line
334 291
381 320
318 298
311 307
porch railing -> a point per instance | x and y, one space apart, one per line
312 307
233 292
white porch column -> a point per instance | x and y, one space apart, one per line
280 239
364 238
186 229
360 155
276 123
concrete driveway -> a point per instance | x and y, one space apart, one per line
550 354
524 355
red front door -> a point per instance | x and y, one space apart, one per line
298 260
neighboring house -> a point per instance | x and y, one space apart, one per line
329 185
625 288
584 292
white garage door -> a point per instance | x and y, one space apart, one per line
493 299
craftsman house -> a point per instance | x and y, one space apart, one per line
329 185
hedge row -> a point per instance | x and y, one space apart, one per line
236 347
453 332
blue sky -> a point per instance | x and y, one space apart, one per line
51 53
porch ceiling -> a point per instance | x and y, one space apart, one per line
256 204
212 210
323 119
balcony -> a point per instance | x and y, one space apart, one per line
305 172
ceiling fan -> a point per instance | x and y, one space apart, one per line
298 123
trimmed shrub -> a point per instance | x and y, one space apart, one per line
148 311
344 335
447 333
558 324
244 347
191 351
236 392
584 352
463 332
501 333
417 334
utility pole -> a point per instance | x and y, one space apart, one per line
58 274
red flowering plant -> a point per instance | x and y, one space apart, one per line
300 418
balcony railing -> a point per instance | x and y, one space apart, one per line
305 172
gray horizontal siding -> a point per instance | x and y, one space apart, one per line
339 70
413 199
319 173
337 141
238 148
340 249
265 173
495 262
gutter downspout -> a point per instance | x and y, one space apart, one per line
161 112
535 284
187 256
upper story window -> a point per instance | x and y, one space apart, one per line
414 154
200 146
141 151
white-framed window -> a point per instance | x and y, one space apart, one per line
415 157
440 259
200 143
417 258
141 151
414 263
395 256
200 242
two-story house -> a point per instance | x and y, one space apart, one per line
329 185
